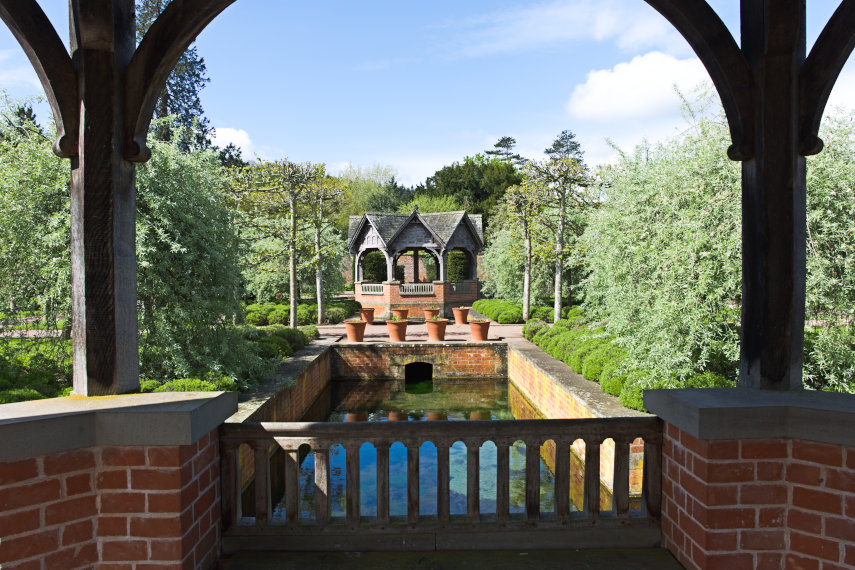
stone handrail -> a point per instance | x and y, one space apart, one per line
642 526
371 288
416 289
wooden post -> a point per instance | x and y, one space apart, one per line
102 96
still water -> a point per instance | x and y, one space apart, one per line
458 400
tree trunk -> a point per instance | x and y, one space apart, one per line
319 276
527 273
292 260
559 257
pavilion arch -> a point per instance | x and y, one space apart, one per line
773 94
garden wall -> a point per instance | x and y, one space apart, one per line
555 391
121 480
450 360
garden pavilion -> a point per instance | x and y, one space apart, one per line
400 238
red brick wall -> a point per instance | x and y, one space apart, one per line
772 503
353 362
113 507
391 298
291 403
554 401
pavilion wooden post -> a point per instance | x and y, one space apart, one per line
774 98
102 96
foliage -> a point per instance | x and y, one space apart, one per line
374 266
504 312
457 266
504 150
261 314
664 253
371 189
34 223
427 203
478 182
188 269
30 369
502 264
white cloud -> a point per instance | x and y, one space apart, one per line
631 25
641 88
16 71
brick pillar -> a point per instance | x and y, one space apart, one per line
767 503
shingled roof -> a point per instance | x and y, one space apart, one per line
388 224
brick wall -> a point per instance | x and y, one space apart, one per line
442 297
113 507
353 362
553 400
292 402
758 503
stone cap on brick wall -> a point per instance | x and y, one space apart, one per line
745 413
41 427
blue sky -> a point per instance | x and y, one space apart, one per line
417 85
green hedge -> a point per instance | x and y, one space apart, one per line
504 312
262 314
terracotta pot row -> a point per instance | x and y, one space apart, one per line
403 417
397 326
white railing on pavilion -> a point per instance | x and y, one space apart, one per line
416 289
372 288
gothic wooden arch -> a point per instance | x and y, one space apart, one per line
773 95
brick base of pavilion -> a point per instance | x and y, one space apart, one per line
446 295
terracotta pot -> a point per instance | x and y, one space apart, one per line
402 313
479 416
479 329
461 314
367 315
436 329
397 330
358 417
355 330
398 416
430 313
432 416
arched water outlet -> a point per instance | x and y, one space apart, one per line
418 378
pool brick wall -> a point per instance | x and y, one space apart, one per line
450 360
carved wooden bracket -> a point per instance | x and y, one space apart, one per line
820 71
170 35
31 27
725 62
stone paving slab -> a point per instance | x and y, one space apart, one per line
593 559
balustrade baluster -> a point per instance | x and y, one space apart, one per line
442 477
292 487
503 470
620 486
592 479
532 481
473 481
322 486
413 484
352 481
652 483
229 485
382 483
562 479
262 481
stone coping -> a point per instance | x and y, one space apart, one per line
42 427
746 413
284 376
588 393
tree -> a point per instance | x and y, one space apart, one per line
564 182
503 149
320 201
525 205
180 96
565 146
478 183
371 189
188 278
269 194
427 204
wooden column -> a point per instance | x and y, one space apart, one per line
102 96
103 207
773 200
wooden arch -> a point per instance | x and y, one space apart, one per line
773 95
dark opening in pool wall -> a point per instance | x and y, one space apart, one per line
418 377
